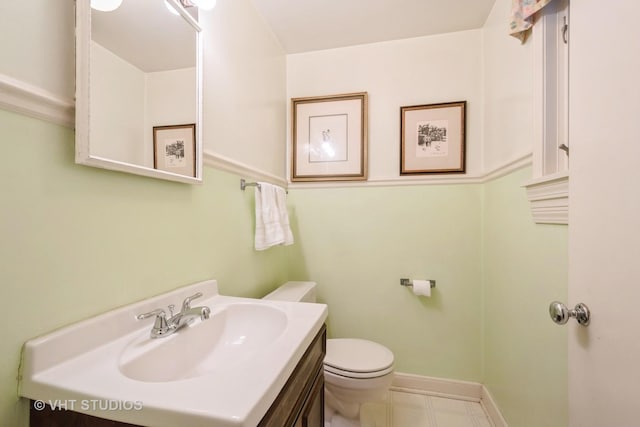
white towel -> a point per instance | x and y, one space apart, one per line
272 219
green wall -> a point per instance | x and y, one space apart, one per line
358 242
496 272
525 268
77 241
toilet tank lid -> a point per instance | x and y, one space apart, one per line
294 291
357 355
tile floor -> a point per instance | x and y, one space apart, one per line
415 409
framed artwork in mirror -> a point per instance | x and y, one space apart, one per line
160 89
432 138
329 138
174 149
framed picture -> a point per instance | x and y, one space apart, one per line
432 138
174 149
329 138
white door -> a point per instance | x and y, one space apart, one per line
604 226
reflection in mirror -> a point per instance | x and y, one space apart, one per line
141 70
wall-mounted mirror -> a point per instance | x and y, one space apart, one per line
139 89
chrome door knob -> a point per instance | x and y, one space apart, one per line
561 314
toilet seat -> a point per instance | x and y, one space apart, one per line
357 358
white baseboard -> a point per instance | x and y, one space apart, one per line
438 386
486 400
462 390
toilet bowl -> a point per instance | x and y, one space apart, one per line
355 370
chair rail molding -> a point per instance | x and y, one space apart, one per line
506 168
24 98
221 162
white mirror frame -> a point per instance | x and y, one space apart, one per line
83 113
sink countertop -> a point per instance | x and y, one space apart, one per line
78 366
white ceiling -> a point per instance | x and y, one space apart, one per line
145 34
307 25
161 41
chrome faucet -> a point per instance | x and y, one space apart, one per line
163 327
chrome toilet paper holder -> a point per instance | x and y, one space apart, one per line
409 282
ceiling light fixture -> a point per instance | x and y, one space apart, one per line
171 8
204 4
111 5
200 4
105 5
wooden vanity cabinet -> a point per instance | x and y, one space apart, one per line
299 404
301 401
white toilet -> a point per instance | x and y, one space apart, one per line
355 370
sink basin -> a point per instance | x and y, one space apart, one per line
232 336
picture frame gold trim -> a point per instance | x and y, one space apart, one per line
329 139
433 138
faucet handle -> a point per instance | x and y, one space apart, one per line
157 312
186 304
161 318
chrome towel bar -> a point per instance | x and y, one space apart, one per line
244 184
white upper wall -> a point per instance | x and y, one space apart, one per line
117 96
41 55
170 100
423 70
488 68
162 98
244 88
248 81
508 91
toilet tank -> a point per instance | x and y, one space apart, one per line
294 291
